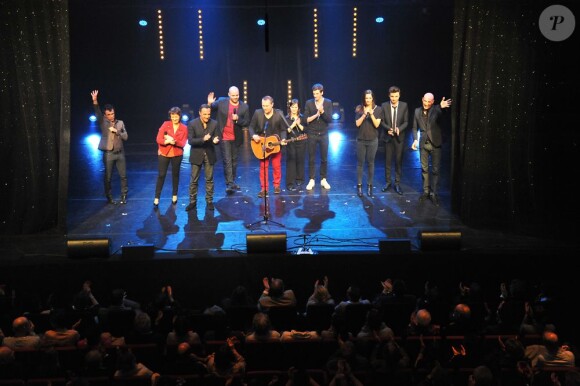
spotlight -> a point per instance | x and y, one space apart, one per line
337 113
186 113
143 23
379 19
92 118
261 22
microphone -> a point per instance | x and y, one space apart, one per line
235 110
165 132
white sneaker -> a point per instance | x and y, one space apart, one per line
324 184
310 185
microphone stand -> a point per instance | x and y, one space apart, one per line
266 219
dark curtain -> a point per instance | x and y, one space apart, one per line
511 138
35 100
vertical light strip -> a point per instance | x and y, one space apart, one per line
200 30
289 87
315 21
245 91
354 22
161 43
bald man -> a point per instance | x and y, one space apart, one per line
24 336
427 138
232 116
550 353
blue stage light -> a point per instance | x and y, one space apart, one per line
380 19
184 118
92 118
143 23
335 116
261 22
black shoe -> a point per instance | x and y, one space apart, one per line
435 199
370 191
387 187
291 188
123 199
398 189
229 189
424 196
236 187
262 194
359 190
110 200
191 206
210 206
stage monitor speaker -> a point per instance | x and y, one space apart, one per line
387 246
266 242
440 241
138 252
87 248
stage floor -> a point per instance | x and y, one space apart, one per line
318 221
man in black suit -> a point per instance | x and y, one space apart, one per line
426 120
395 121
232 116
202 138
113 134
266 122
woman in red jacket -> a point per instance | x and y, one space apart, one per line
171 138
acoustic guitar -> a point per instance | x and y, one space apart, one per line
271 145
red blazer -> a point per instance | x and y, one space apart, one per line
180 138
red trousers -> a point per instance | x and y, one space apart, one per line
276 160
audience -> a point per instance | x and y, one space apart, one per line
60 335
24 336
262 329
275 295
550 353
351 363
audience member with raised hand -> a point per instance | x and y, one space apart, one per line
275 295
60 335
321 295
262 329
164 299
344 375
227 363
85 300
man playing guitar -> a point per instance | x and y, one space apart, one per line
267 122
